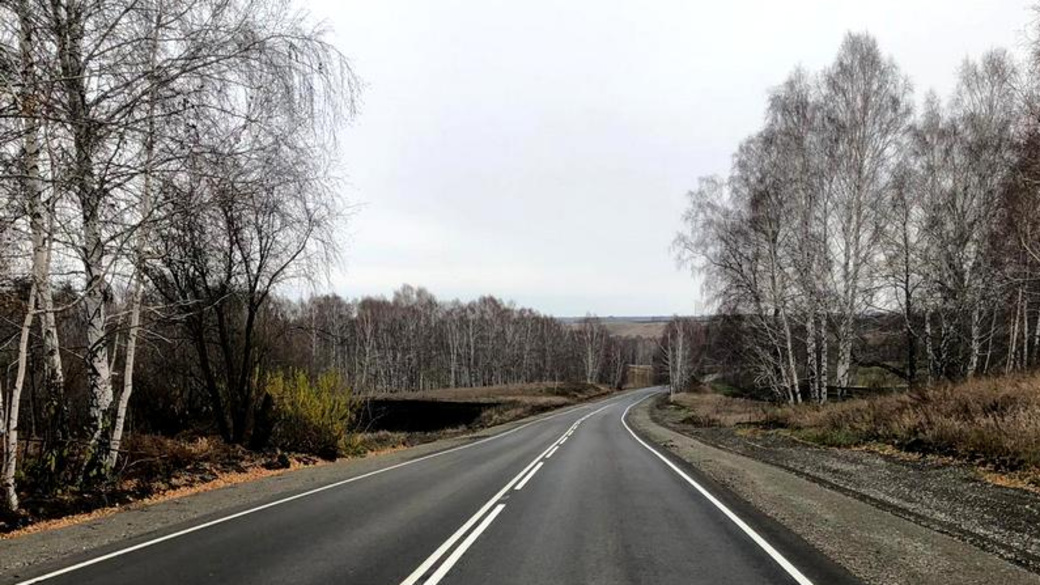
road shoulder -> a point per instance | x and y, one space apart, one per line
875 545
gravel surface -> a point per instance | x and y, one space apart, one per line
862 532
944 497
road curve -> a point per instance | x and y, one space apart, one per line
575 497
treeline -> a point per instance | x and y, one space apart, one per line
413 341
853 215
160 160
164 171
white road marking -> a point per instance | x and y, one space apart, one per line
563 441
457 553
552 451
431 560
526 479
761 542
223 519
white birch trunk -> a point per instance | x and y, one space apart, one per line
976 341
128 374
794 391
812 371
844 366
824 362
10 460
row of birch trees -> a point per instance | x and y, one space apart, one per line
413 341
856 204
159 159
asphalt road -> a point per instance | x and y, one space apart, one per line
573 498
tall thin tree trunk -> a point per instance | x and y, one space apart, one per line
1009 365
10 462
811 357
116 439
137 286
795 390
824 359
32 192
1036 336
989 342
976 341
1025 332
56 409
929 348
69 33
844 366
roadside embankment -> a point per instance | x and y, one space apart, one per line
859 530
157 468
163 516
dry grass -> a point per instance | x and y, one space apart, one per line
993 423
191 467
716 410
547 393
645 329
652 330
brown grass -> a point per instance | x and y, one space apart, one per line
652 330
187 487
716 410
549 393
993 423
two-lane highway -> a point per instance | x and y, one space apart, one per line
575 497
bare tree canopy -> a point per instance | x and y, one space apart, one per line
848 215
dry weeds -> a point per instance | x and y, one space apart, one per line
222 480
992 423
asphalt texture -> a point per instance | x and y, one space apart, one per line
573 498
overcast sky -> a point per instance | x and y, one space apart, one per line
540 150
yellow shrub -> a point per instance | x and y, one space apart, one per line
310 416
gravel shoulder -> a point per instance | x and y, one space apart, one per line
879 517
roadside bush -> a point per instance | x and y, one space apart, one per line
994 421
310 416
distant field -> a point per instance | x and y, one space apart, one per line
647 327
544 393
649 330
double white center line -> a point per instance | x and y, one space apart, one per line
494 506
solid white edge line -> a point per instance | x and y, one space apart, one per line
528 477
461 550
431 560
223 519
552 451
761 542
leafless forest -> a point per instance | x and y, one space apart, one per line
164 171
866 233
